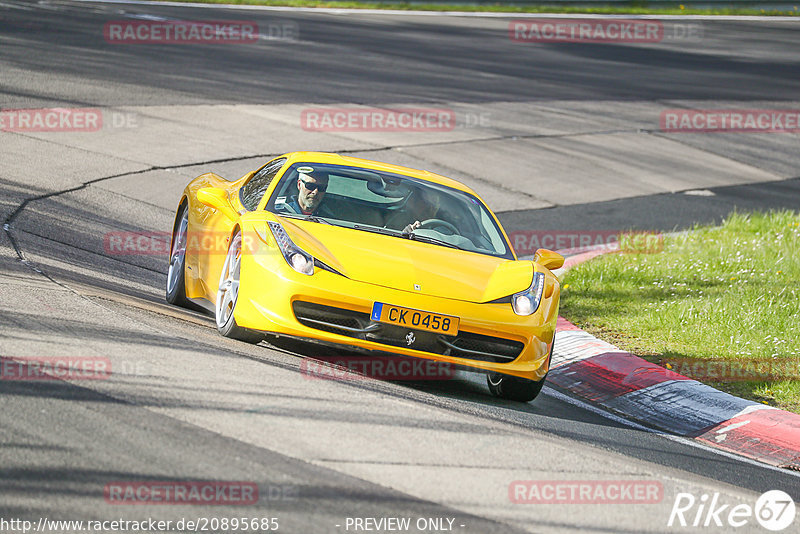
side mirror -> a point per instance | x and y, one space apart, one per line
548 258
217 199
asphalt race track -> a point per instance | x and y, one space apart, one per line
554 136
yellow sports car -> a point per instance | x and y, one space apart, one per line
366 255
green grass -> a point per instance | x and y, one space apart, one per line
729 293
634 8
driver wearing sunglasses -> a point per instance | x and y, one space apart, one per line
311 190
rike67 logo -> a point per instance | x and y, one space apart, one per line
774 510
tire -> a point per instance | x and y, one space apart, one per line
176 273
514 388
228 295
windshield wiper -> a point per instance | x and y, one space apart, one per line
431 240
378 230
406 235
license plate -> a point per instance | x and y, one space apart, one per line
420 320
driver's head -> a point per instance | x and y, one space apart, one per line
311 189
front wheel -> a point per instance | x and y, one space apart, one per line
228 295
514 388
176 275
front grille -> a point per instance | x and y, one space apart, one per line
501 348
358 325
328 318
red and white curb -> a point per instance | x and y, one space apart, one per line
603 375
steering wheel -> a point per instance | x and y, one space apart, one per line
428 223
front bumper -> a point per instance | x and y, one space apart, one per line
332 308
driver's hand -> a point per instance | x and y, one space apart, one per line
411 227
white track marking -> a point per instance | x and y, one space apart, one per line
15 6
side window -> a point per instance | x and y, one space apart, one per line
250 194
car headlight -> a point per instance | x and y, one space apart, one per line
526 302
297 258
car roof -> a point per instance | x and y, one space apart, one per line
336 159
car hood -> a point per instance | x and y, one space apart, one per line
405 264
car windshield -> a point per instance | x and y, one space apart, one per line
386 203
